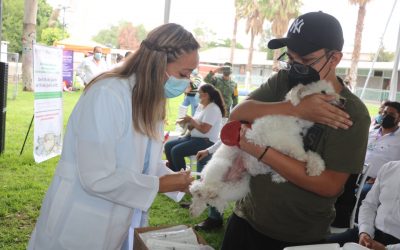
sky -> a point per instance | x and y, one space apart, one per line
84 18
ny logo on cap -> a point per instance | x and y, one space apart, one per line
296 26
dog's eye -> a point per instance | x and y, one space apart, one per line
323 92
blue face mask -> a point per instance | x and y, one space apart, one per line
97 56
174 87
379 119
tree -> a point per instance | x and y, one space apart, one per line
28 38
50 35
352 74
13 16
385 56
254 25
13 12
111 35
204 36
127 37
224 43
108 36
279 14
239 14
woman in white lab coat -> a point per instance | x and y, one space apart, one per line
110 168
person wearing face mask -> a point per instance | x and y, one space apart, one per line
191 93
224 84
300 211
92 66
204 129
383 146
377 120
111 167
383 143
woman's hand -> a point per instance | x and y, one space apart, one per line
317 108
178 181
202 154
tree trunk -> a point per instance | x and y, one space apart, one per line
233 43
28 38
352 75
249 65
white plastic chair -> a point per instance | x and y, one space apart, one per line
361 181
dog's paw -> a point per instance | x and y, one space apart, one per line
197 207
315 164
276 178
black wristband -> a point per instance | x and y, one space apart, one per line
262 155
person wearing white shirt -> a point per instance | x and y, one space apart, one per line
111 168
384 142
204 128
379 216
383 147
92 66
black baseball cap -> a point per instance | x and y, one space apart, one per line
311 32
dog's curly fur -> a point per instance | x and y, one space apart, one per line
283 133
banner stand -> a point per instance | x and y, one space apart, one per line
26 136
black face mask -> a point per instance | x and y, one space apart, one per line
388 122
295 77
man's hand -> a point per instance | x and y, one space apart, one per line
365 240
317 108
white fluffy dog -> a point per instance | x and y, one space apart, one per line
283 133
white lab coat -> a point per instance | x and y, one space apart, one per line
98 181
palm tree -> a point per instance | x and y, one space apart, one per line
279 13
352 74
28 38
254 24
239 14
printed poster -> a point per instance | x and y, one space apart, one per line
68 68
48 113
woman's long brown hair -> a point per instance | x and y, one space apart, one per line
162 45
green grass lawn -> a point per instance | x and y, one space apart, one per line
23 183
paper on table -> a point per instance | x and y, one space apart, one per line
154 244
182 236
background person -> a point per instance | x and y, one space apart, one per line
299 211
204 129
379 217
110 169
383 147
92 66
224 84
191 93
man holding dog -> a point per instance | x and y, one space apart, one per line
299 212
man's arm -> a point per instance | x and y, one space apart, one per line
369 208
315 108
329 184
210 78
